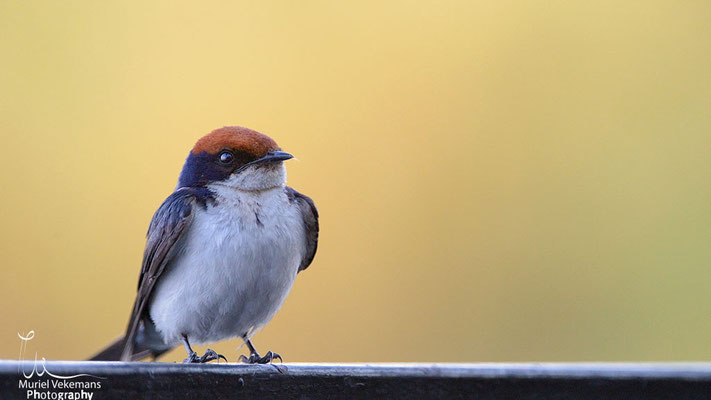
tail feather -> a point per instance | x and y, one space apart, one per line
113 352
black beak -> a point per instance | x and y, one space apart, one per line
273 156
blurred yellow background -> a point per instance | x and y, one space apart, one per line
497 181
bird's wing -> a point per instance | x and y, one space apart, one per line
167 228
309 215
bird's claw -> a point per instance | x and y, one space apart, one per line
254 358
209 355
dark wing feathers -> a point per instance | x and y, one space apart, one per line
309 214
166 229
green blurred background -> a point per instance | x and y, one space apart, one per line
497 181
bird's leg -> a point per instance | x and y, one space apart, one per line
254 357
193 357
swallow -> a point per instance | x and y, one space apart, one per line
222 251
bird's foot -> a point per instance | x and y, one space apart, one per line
254 358
209 355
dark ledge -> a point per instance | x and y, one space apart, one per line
407 381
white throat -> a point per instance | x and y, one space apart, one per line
255 178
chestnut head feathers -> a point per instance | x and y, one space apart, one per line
235 157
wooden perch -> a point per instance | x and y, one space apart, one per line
367 381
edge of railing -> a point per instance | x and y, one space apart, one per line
99 380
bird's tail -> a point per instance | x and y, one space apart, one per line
113 352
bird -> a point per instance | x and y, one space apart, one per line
222 251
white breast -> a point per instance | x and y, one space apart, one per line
239 262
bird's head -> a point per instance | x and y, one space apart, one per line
235 157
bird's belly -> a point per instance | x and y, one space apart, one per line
230 280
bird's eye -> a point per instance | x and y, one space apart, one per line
226 157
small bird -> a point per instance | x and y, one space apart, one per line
222 251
